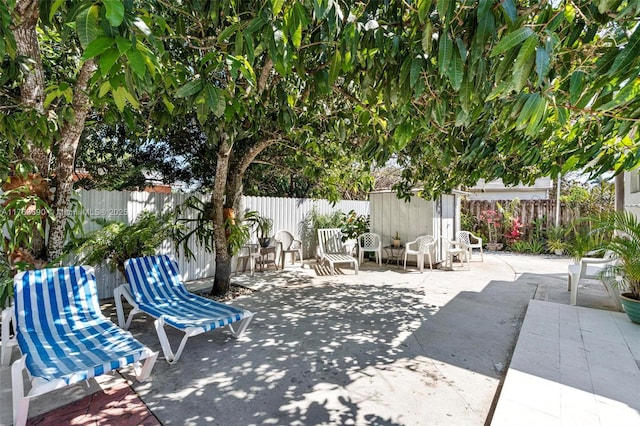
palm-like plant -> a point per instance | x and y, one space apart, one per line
625 244
116 242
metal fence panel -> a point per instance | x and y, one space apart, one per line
125 206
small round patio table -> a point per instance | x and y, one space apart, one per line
394 253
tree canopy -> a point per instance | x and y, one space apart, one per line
454 91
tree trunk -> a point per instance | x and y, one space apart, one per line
27 13
69 139
227 191
222 279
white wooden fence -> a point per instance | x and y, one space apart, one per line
125 206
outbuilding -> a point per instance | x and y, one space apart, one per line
410 219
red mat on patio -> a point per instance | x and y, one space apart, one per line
118 404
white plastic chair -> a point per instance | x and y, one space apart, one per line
369 242
249 253
421 246
289 245
455 249
63 336
591 267
155 287
465 237
332 250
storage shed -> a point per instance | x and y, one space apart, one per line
411 219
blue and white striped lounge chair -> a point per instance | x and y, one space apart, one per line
63 336
155 287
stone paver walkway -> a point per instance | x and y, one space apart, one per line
572 365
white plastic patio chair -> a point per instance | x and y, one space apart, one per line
63 336
369 242
591 268
455 249
421 246
289 245
155 287
249 253
332 250
465 237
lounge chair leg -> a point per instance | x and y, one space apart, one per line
164 341
573 287
183 342
8 318
143 372
20 401
118 294
242 326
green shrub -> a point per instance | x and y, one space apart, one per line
116 242
531 247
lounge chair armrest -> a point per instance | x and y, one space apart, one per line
596 260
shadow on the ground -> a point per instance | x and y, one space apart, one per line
330 353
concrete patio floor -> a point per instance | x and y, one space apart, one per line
385 346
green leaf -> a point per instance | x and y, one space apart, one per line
456 70
276 6
543 63
136 60
108 59
628 93
168 104
537 117
445 52
511 40
576 86
226 33
189 89
97 47
563 115
120 97
484 7
214 99
427 37
466 94
423 9
256 24
55 6
416 69
405 69
443 10
510 10
296 33
124 44
335 67
115 11
527 111
202 112
132 99
524 62
104 89
629 54
87 25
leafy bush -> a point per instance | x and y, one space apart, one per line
116 242
6 281
532 247
353 224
